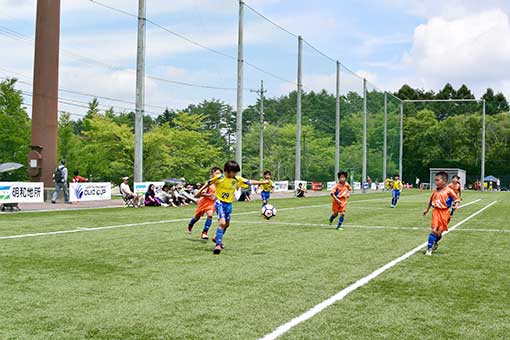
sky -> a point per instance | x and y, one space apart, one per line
390 42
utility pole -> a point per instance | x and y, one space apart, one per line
298 108
140 92
43 157
261 93
337 120
240 80
364 160
401 151
385 142
483 145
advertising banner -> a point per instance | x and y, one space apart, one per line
80 192
141 187
280 186
21 192
331 185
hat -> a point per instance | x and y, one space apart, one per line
125 178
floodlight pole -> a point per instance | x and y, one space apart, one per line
483 145
364 160
401 151
298 108
337 125
140 92
385 142
261 93
240 76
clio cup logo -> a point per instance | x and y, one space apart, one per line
78 192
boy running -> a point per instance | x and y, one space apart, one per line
340 193
396 188
456 187
226 185
205 206
441 213
266 189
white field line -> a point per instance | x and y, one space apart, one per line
84 229
361 282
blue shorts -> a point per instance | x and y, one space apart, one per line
265 195
223 210
396 193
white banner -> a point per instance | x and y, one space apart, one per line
357 186
142 187
90 191
331 185
21 192
280 186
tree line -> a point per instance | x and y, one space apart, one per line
186 143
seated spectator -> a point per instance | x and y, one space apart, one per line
197 187
126 192
77 178
166 196
245 195
179 199
189 195
151 200
300 191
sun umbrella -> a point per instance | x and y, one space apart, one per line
10 167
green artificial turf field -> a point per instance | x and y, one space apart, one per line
136 274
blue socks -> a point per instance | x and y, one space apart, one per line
219 236
207 225
394 201
432 240
340 221
332 218
192 222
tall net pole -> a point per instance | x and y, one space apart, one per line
482 170
240 75
140 92
364 160
337 125
298 108
401 144
385 142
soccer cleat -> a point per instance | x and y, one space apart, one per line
190 229
217 250
204 235
392 206
435 246
339 228
428 252
214 241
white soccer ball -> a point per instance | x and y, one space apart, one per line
268 211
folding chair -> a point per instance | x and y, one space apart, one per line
128 201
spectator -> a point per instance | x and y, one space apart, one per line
197 187
300 191
151 200
417 183
498 185
179 199
77 178
245 195
166 196
60 179
126 192
188 194
377 184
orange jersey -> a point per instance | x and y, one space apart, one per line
455 187
341 191
206 203
439 198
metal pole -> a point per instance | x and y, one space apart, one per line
337 125
140 93
401 151
298 108
483 145
385 142
261 147
240 71
364 161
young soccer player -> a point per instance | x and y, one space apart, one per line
266 189
396 188
457 188
340 193
441 213
206 207
226 185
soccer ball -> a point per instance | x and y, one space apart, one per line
268 211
